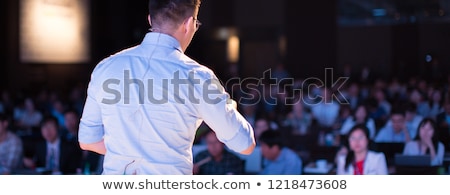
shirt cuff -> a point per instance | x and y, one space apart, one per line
90 134
242 140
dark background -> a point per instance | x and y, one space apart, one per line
320 34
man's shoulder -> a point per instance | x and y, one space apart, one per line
126 53
290 154
198 69
12 137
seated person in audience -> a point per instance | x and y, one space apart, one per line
53 153
216 160
278 159
426 142
412 119
263 124
299 120
397 132
358 159
30 117
326 112
10 148
359 116
71 123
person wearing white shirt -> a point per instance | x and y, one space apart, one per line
412 119
326 112
144 104
396 132
358 159
426 143
360 116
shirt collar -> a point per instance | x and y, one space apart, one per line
54 144
161 39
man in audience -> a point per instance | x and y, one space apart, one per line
326 111
10 148
71 122
53 153
278 159
397 131
216 160
412 119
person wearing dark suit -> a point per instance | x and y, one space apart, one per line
54 153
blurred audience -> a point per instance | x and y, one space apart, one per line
28 117
10 148
310 117
299 120
55 154
326 112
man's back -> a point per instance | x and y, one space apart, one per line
150 101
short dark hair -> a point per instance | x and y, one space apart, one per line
171 10
271 138
49 118
398 110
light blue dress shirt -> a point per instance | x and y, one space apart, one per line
147 102
287 163
388 134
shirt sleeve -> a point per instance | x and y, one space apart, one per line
218 113
438 159
91 125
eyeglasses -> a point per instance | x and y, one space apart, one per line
354 138
197 23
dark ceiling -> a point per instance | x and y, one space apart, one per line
373 12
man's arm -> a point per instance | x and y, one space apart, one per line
219 112
91 131
98 147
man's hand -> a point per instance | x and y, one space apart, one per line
98 147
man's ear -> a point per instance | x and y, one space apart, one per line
188 23
149 20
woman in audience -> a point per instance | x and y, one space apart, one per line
435 103
359 116
359 160
426 143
